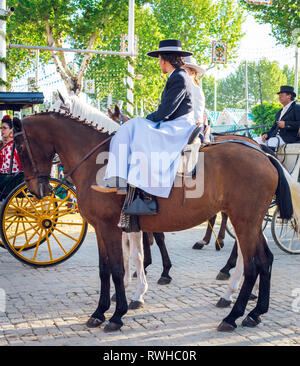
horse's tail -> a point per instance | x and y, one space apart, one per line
287 193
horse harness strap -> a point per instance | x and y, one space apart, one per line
246 143
91 152
35 170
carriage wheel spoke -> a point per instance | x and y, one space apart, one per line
66 212
29 200
68 223
49 247
24 211
22 232
63 249
37 245
286 233
25 245
291 241
67 235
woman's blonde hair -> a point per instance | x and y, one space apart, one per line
195 75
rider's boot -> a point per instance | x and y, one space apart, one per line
112 185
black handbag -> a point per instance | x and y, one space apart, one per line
142 206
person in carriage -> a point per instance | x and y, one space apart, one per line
9 159
287 121
166 130
195 71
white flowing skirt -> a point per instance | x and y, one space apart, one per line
147 154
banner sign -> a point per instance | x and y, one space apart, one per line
31 83
219 52
89 86
124 43
260 2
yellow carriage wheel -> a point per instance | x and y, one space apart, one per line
42 232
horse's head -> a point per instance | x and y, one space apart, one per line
117 115
36 153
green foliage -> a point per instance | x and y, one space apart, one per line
100 23
264 114
283 15
196 23
264 80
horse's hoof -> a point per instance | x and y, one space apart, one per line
113 298
252 297
199 245
94 322
219 247
112 327
226 327
134 305
223 303
164 280
250 322
222 276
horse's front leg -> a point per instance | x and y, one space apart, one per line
113 244
111 262
97 318
137 253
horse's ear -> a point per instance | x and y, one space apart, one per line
110 113
61 97
17 124
117 109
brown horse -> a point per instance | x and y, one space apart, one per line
238 180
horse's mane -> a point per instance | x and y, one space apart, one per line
85 112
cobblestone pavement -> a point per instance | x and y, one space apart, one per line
49 306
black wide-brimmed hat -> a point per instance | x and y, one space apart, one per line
287 89
169 46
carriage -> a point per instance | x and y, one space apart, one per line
285 233
38 232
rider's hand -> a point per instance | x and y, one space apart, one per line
264 137
281 124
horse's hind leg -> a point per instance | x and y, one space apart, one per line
251 270
136 249
165 278
231 263
206 239
262 306
147 242
233 285
221 235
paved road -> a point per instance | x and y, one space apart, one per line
49 306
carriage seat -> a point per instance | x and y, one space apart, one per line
195 135
289 156
9 182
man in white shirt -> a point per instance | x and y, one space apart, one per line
287 121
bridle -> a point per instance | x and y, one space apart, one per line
44 178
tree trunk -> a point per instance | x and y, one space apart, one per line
73 82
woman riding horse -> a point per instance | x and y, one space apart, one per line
167 129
